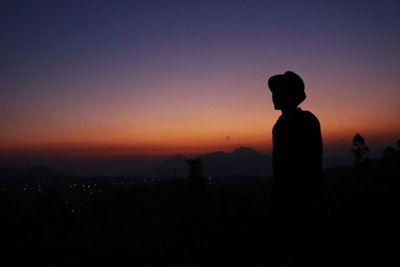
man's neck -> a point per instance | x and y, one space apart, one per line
288 111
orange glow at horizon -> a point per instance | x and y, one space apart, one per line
190 134
189 120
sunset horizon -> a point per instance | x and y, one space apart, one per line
158 78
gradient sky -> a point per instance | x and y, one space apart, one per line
166 77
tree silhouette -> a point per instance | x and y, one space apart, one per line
197 181
195 169
359 149
390 154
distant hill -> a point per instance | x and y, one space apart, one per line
241 161
174 166
35 174
43 172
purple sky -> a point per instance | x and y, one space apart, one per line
166 77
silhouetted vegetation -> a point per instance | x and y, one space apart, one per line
359 149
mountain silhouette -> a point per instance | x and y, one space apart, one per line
172 167
32 172
245 151
241 161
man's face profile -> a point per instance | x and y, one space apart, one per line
280 100
275 100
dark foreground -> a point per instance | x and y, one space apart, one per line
146 222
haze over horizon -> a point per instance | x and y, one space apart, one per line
158 78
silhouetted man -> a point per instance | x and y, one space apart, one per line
297 157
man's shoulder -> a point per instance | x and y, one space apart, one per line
301 116
309 117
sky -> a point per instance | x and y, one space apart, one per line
90 78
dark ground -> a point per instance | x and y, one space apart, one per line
168 222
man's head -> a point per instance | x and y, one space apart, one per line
287 90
